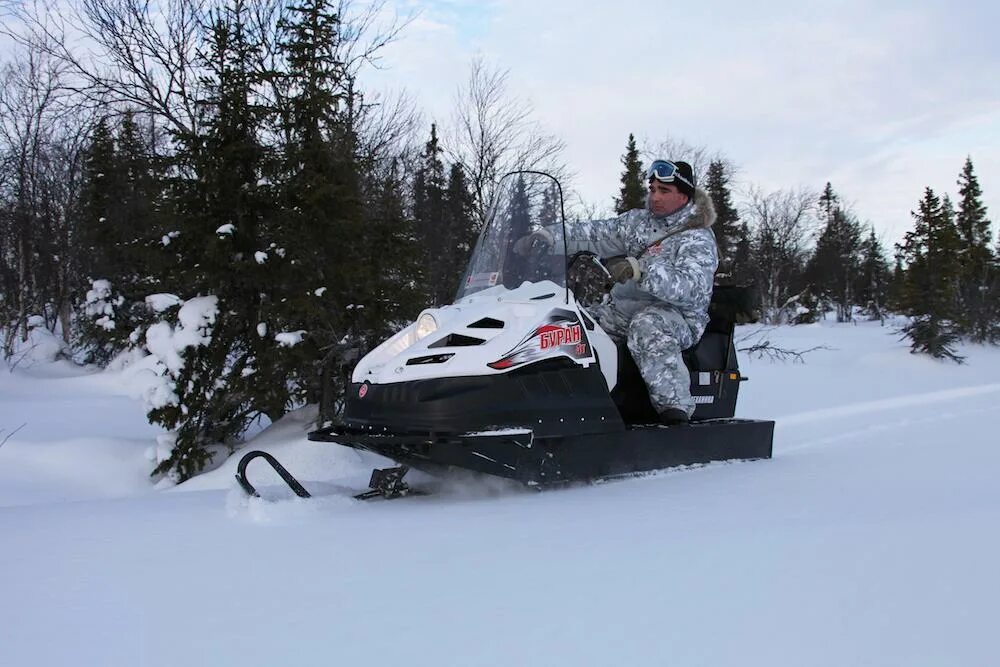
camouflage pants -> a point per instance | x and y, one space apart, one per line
655 336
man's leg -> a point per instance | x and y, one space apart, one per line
656 337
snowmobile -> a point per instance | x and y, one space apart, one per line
516 379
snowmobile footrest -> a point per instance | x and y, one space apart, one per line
241 475
387 483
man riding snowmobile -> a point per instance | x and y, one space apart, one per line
663 259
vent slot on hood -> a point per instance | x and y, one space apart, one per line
486 323
432 359
457 340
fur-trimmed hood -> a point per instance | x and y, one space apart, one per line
699 213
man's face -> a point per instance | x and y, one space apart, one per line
665 198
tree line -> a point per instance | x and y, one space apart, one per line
210 183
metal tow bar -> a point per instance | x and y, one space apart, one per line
241 475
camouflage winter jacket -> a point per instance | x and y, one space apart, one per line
679 270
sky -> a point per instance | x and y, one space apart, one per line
882 99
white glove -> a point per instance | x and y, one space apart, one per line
539 237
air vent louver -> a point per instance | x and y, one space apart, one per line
432 359
487 323
457 340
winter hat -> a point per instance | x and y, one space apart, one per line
677 173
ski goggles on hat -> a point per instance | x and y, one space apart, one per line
666 171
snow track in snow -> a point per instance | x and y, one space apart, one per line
882 429
899 402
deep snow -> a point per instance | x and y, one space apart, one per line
870 538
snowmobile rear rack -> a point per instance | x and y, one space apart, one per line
241 474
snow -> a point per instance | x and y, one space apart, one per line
227 229
260 256
289 338
194 321
161 302
100 305
869 539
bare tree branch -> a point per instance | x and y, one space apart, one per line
11 434
672 148
124 53
759 345
494 133
781 224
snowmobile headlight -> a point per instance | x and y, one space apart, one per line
426 325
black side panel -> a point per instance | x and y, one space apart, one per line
630 393
549 397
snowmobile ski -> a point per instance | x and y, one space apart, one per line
385 482
287 477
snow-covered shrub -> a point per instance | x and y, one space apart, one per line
185 380
106 323
35 345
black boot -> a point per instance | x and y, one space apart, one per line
673 416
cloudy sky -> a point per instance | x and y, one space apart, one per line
879 98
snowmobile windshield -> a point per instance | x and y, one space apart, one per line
524 239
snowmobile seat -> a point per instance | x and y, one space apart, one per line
712 363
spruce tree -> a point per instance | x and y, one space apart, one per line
727 222
872 285
119 231
322 227
632 193
430 218
390 267
978 312
550 211
460 219
518 214
929 290
741 270
233 374
829 202
833 268
99 334
99 194
895 298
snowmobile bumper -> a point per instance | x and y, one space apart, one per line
538 461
